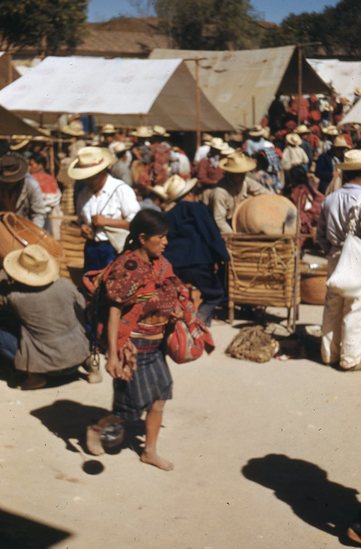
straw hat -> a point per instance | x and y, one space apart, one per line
256 131
17 142
159 190
176 187
351 161
108 129
302 129
143 131
293 139
74 128
216 143
357 92
237 163
341 143
32 266
120 146
206 137
13 168
330 130
227 150
159 130
90 161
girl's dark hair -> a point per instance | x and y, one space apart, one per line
39 159
149 222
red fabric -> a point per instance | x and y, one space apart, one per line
46 182
207 174
300 196
146 289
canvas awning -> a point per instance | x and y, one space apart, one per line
242 84
343 76
125 92
10 124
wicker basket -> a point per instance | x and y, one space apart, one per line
16 232
262 271
73 245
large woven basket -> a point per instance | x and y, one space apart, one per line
73 246
16 232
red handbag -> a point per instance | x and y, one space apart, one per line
188 341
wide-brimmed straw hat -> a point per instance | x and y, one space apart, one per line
32 266
216 143
90 161
293 139
357 92
13 168
159 130
142 131
237 163
74 128
176 187
120 146
330 130
340 142
206 137
17 142
256 131
302 129
227 150
108 129
159 190
351 161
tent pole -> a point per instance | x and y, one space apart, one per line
10 69
253 110
299 83
197 98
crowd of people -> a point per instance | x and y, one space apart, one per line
154 211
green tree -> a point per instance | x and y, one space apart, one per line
208 24
45 25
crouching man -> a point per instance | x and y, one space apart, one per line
41 330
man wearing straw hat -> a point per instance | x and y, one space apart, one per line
19 192
233 188
103 202
341 327
44 334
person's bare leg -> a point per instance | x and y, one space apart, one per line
153 423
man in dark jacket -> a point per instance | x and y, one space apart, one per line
195 248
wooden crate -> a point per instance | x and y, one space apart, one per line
261 272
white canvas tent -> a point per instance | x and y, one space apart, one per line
343 76
126 92
242 84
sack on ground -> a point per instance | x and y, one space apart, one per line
253 343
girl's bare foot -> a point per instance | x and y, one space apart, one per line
153 459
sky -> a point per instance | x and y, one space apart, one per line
270 10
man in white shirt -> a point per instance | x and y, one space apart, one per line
103 202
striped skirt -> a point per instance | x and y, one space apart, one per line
151 381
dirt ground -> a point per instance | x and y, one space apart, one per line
266 457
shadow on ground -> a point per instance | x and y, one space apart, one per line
20 532
68 420
304 486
